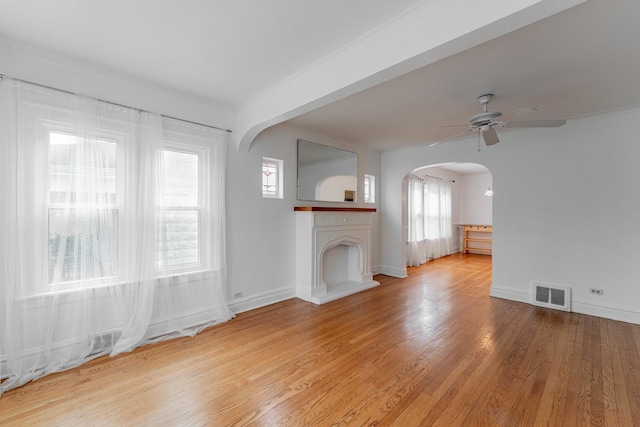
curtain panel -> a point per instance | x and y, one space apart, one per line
112 230
429 213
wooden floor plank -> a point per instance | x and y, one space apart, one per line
431 349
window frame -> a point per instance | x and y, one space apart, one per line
46 125
173 140
203 209
369 189
43 113
279 166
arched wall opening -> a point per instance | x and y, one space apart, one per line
471 199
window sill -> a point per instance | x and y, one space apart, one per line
103 290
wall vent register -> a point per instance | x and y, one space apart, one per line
551 296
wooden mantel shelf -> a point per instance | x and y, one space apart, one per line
328 209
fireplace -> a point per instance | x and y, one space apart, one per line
333 248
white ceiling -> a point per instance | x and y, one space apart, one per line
583 60
580 61
226 50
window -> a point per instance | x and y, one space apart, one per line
86 209
272 179
82 209
439 210
94 184
179 210
110 195
429 218
369 189
112 225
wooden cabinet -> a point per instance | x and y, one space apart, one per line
476 239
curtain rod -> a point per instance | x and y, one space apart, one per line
434 177
2 76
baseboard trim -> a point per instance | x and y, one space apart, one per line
400 273
510 294
240 305
623 314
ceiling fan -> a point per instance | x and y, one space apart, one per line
486 121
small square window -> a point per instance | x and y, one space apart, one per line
369 189
272 178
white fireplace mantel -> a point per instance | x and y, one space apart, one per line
320 230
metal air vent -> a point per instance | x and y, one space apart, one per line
551 296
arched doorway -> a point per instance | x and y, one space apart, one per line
469 187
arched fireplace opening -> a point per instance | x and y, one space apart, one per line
332 253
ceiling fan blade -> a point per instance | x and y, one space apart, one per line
517 113
451 126
490 136
535 124
449 138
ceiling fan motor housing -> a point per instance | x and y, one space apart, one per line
484 118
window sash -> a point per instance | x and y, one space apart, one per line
85 256
177 217
272 180
369 189
81 200
180 247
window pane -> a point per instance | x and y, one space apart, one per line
83 244
269 178
369 188
81 170
180 174
178 238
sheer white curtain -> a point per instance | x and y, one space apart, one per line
111 230
428 219
416 213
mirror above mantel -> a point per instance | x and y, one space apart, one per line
326 174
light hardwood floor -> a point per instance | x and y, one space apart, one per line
431 349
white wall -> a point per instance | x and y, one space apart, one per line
63 73
261 232
475 207
565 206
